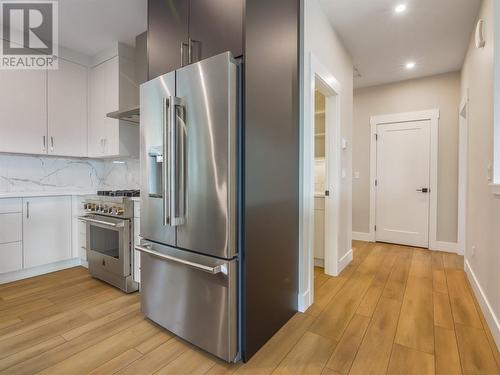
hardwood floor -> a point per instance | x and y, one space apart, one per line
394 310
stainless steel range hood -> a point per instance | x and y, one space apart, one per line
131 115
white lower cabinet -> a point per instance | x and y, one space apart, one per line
46 230
11 227
79 229
11 257
11 235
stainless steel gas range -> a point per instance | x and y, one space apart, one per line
109 237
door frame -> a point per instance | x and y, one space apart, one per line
431 115
463 149
332 90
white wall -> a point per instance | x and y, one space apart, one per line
321 39
483 217
440 91
25 173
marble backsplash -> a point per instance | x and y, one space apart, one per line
27 173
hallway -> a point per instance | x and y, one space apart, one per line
394 310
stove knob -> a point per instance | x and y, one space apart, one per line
105 209
93 207
120 211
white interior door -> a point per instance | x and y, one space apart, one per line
403 181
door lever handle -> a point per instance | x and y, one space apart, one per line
424 190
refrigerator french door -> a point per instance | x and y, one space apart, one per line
189 132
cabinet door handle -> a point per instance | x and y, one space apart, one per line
190 52
27 210
43 143
184 44
51 143
182 53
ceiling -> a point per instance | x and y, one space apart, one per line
91 26
434 34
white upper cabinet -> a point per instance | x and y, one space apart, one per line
103 95
67 110
63 112
113 87
23 109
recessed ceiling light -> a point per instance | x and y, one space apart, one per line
410 65
400 8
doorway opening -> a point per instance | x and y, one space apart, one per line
320 180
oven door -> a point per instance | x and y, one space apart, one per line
108 243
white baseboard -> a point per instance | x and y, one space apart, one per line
449 247
344 261
319 262
361 236
304 301
489 314
40 270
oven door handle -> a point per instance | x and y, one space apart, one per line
212 270
102 222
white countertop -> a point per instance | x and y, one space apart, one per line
21 194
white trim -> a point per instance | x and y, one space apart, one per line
405 117
492 320
449 247
345 260
361 236
305 300
463 150
40 270
319 262
495 189
431 115
332 89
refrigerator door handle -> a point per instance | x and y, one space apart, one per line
212 270
177 155
166 160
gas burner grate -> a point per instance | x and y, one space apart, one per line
119 193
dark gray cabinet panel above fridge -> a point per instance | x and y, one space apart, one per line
167 34
216 26
182 32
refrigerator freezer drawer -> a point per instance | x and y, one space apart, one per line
193 296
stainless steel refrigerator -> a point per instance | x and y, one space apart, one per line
189 195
